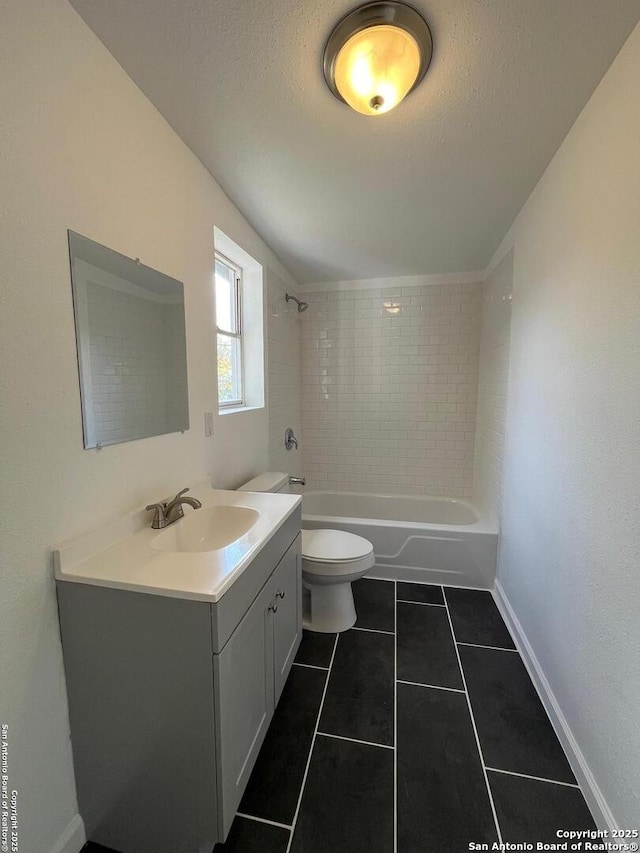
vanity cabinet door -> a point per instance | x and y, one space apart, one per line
244 703
287 619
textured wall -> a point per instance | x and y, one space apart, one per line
570 550
82 148
493 378
284 376
389 388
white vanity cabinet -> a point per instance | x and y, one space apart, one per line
170 699
250 673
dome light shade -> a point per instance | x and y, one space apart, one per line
376 56
376 68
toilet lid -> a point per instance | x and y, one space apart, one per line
334 546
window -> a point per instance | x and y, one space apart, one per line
239 287
228 280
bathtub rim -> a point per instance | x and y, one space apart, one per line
485 523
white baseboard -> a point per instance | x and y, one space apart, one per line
600 810
72 839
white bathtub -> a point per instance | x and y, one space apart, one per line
433 540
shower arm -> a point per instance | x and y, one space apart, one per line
302 306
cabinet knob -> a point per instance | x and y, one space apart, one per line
273 607
280 594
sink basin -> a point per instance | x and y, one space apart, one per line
208 529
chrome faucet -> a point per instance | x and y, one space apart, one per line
165 513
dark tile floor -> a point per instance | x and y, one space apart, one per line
418 730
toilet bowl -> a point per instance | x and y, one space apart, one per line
331 561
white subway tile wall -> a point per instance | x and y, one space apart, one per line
133 394
284 377
175 367
495 345
389 388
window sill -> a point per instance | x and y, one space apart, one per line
234 410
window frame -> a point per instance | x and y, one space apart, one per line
237 336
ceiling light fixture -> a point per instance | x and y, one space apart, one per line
376 55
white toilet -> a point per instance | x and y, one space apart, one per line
331 561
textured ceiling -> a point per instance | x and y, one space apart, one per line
432 186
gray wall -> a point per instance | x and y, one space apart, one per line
82 148
569 559
493 379
284 391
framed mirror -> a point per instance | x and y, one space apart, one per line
132 354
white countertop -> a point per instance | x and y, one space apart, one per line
121 555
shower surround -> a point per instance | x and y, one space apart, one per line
389 387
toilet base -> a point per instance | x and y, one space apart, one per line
329 608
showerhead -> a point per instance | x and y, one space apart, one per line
302 306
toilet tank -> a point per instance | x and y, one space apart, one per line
271 481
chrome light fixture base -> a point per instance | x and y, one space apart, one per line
370 15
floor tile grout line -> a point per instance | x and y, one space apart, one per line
535 778
264 820
311 666
395 717
429 686
473 722
373 631
421 603
313 741
355 740
482 646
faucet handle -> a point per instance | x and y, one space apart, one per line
290 441
181 493
159 517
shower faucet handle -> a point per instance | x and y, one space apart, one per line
290 441
297 481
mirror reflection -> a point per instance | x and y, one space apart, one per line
130 333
